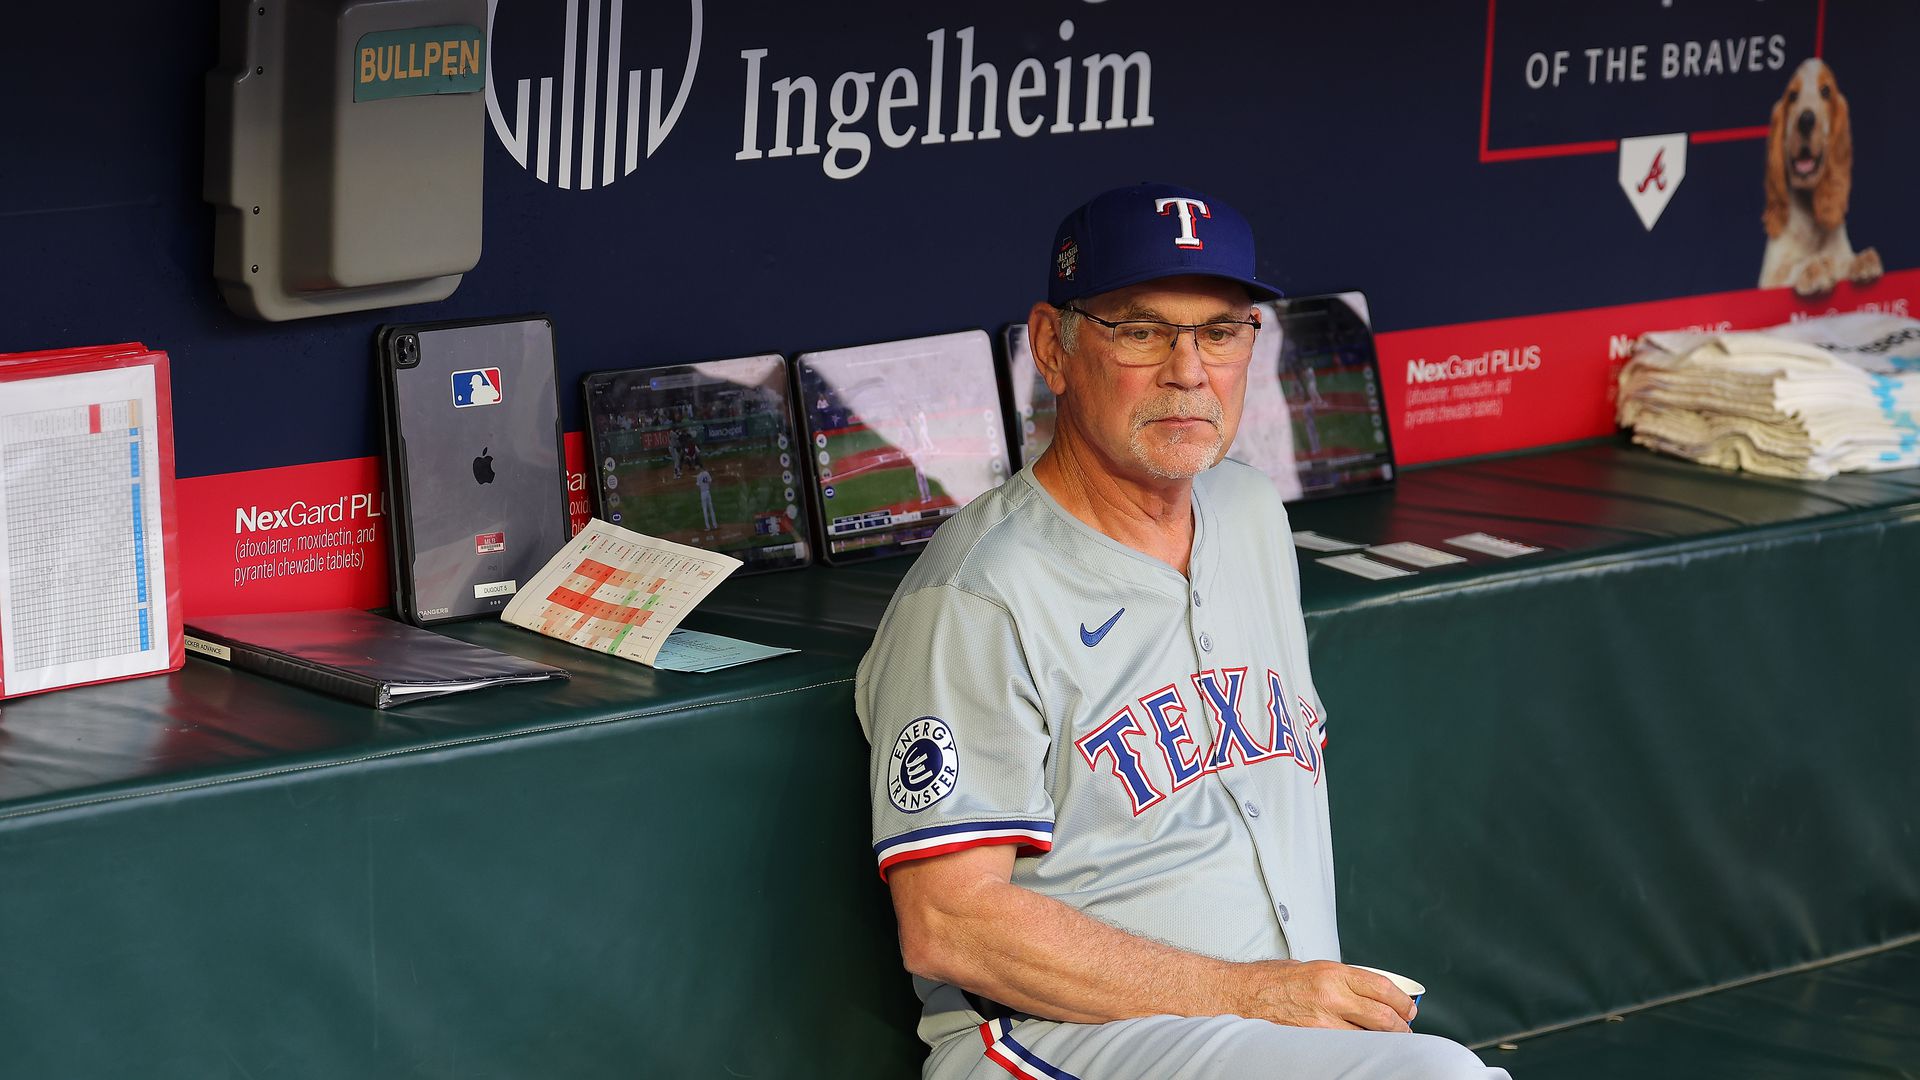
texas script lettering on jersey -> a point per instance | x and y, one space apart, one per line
1290 737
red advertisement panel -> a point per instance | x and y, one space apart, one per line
579 506
303 537
1507 384
299 538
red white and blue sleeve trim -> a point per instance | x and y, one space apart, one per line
1034 837
1003 1051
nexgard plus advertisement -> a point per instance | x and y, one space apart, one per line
1520 188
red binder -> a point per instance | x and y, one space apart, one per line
89 551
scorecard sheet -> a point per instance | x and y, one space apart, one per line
83 589
617 591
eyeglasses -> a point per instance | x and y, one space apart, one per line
1147 342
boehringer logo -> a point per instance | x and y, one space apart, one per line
585 129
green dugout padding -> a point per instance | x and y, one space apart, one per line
635 873
1852 1020
1561 796
1671 753
1674 753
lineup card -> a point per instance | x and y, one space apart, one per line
617 591
83 595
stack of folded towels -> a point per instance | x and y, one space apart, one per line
1805 400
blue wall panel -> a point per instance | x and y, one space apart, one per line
1347 132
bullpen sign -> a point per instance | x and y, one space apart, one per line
418 62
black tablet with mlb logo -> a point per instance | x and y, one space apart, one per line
476 477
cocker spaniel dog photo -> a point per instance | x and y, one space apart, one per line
1809 179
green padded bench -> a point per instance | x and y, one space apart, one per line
632 873
1660 771
1671 753
1674 754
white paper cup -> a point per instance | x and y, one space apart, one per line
1407 986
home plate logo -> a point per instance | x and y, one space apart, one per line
1651 168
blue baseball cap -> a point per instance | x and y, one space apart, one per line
1149 231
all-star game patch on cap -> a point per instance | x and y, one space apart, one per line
1148 231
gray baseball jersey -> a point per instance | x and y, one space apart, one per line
1152 742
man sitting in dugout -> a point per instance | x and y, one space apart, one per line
1097 768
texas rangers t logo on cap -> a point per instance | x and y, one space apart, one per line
1121 237
1186 207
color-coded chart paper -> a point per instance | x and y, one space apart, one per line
617 591
83 591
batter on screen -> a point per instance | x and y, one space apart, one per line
1099 789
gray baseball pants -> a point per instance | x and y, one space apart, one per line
1198 1048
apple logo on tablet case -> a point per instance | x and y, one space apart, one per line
483 467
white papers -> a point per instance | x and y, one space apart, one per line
617 591
83 589
1309 540
1491 545
1361 566
1804 400
1410 554
1416 554
691 650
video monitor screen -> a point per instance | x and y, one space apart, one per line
1314 420
901 435
1335 411
1028 396
704 455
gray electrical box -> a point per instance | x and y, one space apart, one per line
344 150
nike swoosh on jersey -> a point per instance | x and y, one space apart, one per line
1090 638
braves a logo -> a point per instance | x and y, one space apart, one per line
1656 175
1292 734
1185 209
925 765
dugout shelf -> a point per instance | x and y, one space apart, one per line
1669 756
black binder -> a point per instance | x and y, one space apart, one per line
357 655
